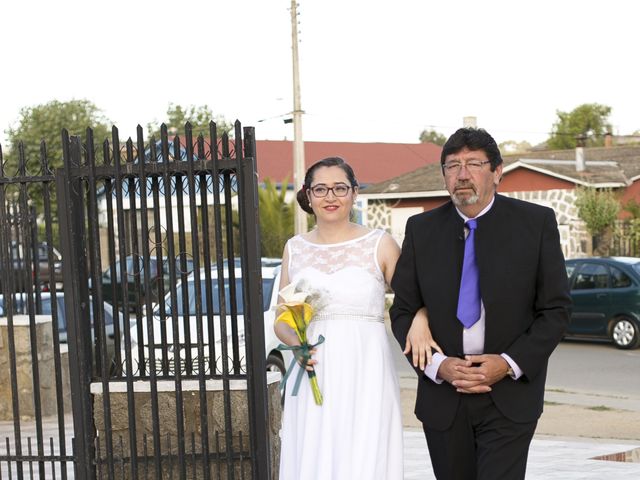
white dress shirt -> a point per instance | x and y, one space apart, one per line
472 337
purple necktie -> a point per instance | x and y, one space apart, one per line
469 297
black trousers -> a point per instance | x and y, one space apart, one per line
481 444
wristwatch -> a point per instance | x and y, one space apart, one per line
510 372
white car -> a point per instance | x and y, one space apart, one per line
186 315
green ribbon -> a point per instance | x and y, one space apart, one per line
302 354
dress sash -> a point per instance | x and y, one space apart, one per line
347 317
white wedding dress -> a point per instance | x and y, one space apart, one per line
357 433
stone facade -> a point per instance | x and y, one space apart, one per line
378 215
143 421
574 238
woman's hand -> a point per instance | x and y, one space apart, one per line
310 363
288 336
419 340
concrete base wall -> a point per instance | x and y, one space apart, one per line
124 419
24 367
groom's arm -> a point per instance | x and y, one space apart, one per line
551 307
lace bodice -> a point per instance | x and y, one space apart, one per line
346 276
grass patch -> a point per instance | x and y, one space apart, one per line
600 408
551 403
556 390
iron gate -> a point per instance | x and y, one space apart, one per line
163 309
29 274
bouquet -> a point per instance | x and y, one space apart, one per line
297 311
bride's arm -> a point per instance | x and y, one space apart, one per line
419 340
283 331
387 254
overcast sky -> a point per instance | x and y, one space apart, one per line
371 70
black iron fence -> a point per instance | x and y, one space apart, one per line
159 302
32 381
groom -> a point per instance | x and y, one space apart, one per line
491 273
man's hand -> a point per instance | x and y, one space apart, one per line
419 340
492 368
462 375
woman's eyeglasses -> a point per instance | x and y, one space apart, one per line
321 191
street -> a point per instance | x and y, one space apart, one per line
583 366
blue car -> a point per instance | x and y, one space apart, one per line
606 299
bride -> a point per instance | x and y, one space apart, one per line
357 431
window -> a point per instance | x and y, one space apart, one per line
131 267
591 276
619 279
267 290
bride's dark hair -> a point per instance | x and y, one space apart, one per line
301 196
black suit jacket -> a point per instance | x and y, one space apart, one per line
524 288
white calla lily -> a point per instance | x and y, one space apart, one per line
289 294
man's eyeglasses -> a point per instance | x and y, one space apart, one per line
453 168
321 191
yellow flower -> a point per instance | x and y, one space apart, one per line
297 315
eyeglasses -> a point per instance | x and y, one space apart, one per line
453 168
321 191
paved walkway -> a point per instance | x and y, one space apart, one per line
549 459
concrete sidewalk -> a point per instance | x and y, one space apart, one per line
549 459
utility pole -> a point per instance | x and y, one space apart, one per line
300 217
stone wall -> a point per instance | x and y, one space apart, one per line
66 379
574 238
122 420
378 215
24 367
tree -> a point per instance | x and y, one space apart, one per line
199 117
589 120
599 211
433 137
633 208
276 218
46 121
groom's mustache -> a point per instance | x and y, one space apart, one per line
461 185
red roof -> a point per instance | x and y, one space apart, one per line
371 162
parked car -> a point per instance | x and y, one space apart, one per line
37 272
187 316
113 282
606 299
44 276
20 307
